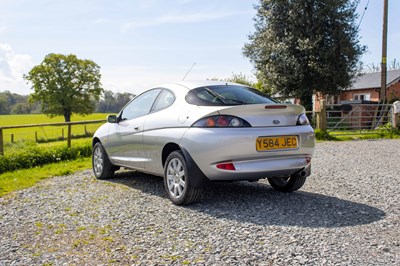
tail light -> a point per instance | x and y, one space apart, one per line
303 120
221 121
226 166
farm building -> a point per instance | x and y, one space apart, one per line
366 88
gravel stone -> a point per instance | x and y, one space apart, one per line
347 213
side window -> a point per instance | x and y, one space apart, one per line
164 100
140 106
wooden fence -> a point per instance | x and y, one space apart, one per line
69 134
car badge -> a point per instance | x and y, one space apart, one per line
276 122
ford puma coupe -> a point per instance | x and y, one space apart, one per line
192 133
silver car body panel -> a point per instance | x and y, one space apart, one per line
138 143
239 147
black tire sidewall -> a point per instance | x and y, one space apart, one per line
294 183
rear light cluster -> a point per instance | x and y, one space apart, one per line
302 120
221 121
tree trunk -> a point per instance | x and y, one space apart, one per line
306 100
67 117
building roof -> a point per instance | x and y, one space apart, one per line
373 80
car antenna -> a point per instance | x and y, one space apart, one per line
190 69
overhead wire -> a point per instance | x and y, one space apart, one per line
362 16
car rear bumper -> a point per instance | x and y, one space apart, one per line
212 146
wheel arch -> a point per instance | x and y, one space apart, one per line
95 140
199 179
168 148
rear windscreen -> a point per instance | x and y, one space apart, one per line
226 95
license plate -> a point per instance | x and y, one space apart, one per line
276 143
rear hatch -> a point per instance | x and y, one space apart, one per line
266 115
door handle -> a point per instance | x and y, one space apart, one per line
136 128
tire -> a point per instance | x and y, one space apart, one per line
102 167
177 180
288 184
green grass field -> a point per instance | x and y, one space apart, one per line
24 138
24 178
44 132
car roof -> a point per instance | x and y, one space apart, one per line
192 84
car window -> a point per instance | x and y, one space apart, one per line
140 105
164 100
226 95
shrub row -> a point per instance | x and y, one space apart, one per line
77 136
35 156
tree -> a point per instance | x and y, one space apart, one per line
21 108
241 79
9 100
4 105
307 46
65 85
113 103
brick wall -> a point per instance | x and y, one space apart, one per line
393 92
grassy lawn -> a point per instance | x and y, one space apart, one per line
48 132
357 134
25 138
20 179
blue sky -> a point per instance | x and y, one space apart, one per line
139 44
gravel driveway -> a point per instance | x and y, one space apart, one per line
348 212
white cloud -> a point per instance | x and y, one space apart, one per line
12 68
179 18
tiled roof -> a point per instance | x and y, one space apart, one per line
373 80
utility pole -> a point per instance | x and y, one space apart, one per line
384 51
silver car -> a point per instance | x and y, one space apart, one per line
192 133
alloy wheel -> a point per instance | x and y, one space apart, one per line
176 178
98 161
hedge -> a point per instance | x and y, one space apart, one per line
34 156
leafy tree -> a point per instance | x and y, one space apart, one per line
65 84
21 108
122 99
303 46
9 100
241 79
107 102
113 103
4 105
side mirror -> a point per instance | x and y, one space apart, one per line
112 119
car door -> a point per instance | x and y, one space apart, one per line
157 130
125 145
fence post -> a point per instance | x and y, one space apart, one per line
318 118
36 137
12 138
321 118
1 142
395 114
69 135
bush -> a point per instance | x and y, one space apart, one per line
35 156
323 135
